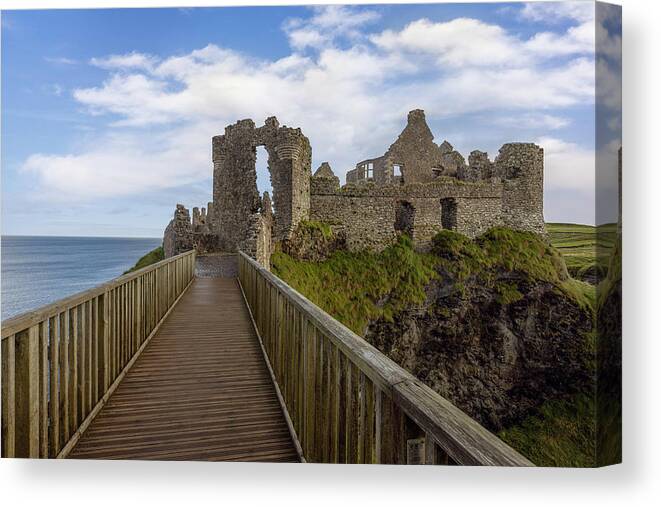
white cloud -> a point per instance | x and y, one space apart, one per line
550 12
534 121
122 164
327 24
577 40
351 101
459 42
61 60
567 166
129 61
469 42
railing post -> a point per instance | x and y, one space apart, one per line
27 393
104 345
9 397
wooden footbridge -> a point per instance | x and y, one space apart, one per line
163 364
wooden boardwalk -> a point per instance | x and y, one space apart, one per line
200 390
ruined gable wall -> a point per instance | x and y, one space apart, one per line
415 150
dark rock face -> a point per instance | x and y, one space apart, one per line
496 360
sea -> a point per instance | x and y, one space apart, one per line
38 270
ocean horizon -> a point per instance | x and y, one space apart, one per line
38 270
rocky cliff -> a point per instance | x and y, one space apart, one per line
499 332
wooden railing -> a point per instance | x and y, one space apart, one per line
346 401
60 363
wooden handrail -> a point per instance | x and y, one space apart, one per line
61 362
347 401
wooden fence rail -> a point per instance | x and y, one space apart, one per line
60 363
348 402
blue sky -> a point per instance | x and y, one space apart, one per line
107 115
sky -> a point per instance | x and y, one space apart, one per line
107 115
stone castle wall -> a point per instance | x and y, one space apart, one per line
368 214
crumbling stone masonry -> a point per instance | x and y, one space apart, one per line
416 187
236 203
178 236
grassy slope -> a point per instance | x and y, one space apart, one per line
152 257
562 433
358 287
583 246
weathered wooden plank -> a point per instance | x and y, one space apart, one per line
73 370
369 452
27 443
361 410
300 380
311 360
319 380
65 431
325 400
103 331
351 426
9 397
81 395
334 403
54 403
89 350
43 389
378 428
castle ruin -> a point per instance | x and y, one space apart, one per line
417 187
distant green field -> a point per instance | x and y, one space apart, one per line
585 248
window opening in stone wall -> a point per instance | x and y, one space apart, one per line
263 173
370 170
436 172
405 218
396 170
449 214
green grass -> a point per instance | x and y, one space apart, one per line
363 286
152 257
584 247
314 225
502 250
562 433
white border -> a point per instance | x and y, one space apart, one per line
636 482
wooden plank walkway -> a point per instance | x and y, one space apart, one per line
200 390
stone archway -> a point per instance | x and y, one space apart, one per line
237 203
